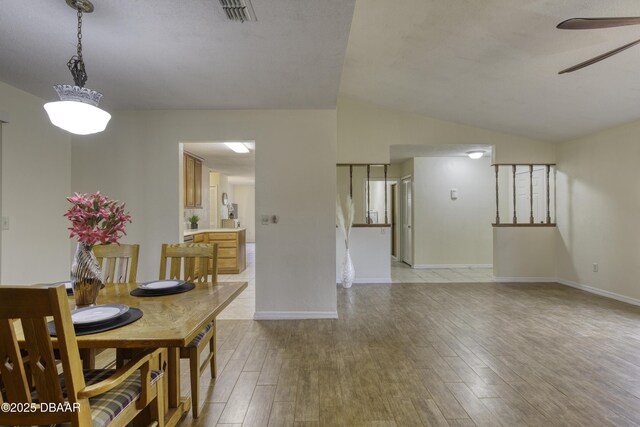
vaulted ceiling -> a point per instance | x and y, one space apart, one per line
494 63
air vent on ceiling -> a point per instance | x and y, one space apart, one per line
238 10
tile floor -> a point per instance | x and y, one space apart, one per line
244 306
402 273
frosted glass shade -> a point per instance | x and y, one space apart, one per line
475 154
77 117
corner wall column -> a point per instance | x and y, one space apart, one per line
497 196
515 218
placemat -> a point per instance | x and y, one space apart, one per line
129 317
139 292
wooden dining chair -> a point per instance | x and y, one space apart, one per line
118 263
97 397
192 262
199 261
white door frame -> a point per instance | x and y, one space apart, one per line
406 215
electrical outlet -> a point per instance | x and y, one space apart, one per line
264 219
595 267
5 222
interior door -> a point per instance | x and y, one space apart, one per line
407 245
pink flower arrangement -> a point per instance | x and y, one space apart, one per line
96 219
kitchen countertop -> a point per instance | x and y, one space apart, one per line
212 230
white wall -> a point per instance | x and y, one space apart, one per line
450 232
598 210
245 197
370 250
35 180
524 254
366 132
225 187
295 259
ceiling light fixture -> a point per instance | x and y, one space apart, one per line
238 147
77 111
475 154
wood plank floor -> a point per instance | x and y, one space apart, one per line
449 354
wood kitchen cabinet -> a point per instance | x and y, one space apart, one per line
192 182
232 248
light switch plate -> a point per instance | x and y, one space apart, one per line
5 222
264 219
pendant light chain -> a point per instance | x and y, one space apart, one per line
80 35
76 64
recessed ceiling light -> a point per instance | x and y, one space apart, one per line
238 147
475 154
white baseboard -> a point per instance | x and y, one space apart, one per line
369 280
525 279
436 266
600 292
294 315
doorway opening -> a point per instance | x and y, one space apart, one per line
218 206
447 202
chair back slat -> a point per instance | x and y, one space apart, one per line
116 261
121 272
12 374
41 359
175 268
190 262
31 306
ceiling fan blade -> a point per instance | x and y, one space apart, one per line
599 58
593 23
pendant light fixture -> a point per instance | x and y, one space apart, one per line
77 111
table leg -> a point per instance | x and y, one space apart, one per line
173 372
178 405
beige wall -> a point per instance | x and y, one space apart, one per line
598 211
365 133
450 232
222 182
245 197
36 179
140 163
524 254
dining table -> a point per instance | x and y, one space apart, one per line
168 322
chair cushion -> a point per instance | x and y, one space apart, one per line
201 335
106 407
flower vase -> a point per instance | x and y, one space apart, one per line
85 276
348 272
